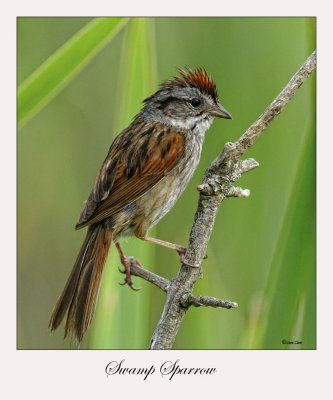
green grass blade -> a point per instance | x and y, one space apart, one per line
138 69
57 71
120 307
292 282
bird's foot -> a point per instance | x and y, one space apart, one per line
127 263
179 249
182 252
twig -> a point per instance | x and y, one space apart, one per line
217 185
149 276
188 300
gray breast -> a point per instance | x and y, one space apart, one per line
171 187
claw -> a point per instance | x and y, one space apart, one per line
181 251
128 281
127 263
134 288
184 261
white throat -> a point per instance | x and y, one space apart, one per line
199 126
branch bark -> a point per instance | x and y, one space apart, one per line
218 184
187 299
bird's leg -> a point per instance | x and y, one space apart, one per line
179 249
127 263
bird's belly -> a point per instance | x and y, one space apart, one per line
147 211
153 206
164 195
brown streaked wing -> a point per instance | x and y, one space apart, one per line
103 184
139 167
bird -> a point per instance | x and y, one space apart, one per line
147 168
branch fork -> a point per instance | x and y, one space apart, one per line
187 299
225 171
218 184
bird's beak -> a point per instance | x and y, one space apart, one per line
219 111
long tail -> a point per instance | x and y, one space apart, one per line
79 296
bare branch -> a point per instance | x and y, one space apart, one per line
149 276
187 299
217 185
197 301
236 191
276 107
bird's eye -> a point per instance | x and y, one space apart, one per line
195 102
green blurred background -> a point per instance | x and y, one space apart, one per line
262 251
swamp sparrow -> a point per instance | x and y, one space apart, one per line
147 168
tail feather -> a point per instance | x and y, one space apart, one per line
79 296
